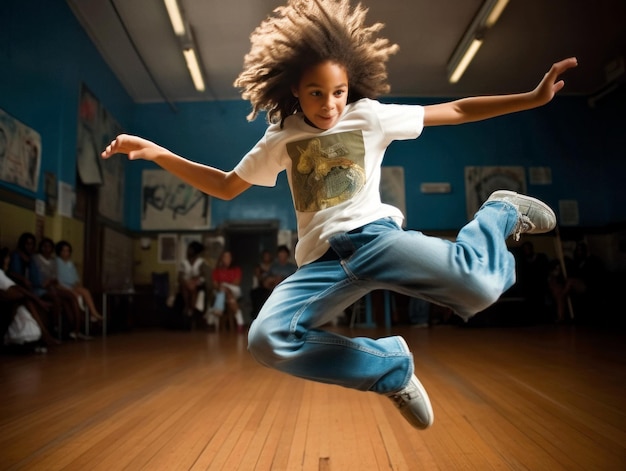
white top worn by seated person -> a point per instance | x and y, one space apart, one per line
193 270
23 328
5 281
334 174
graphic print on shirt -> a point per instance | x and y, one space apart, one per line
327 170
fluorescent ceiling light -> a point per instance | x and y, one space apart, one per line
194 69
187 43
495 13
175 17
473 38
470 52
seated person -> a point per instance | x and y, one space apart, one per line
226 283
193 277
47 265
19 303
280 269
276 272
68 278
22 268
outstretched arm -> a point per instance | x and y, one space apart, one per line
210 180
478 108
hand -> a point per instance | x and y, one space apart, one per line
135 147
549 85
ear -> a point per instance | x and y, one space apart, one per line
294 92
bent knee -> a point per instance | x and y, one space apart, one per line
268 346
478 296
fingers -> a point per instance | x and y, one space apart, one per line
558 86
116 146
559 67
110 149
551 84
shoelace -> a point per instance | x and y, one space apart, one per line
401 397
524 224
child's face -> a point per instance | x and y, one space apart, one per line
227 259
29 246
66 253
323 93
46 249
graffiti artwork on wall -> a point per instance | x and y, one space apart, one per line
169 203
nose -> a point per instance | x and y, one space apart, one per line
328 103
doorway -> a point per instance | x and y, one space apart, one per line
246 240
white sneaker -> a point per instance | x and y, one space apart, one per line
536 217
413 402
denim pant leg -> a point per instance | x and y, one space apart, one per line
467 276
286 335
219 303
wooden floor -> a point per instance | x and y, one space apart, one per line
524 398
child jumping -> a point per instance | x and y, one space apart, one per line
316 70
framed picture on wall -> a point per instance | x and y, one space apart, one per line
481 181
167 248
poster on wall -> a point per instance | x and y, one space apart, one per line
392 188
96 129
20 153
170 203
480 182
167 248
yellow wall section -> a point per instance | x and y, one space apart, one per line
15 220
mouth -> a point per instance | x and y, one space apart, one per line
327 118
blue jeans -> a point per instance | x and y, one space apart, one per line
467 276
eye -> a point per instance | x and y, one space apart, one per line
316 93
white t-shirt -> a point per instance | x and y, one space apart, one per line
23 327
5 281
334 174
192 271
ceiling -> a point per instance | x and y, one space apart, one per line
136 39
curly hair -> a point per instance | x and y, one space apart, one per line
195 247
305 33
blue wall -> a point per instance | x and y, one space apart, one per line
583 147
218 134
45 55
